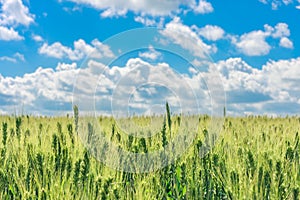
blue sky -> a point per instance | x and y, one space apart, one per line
254 44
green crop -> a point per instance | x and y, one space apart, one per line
254 158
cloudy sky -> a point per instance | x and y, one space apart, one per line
47 47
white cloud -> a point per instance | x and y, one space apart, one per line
287 2
155 8
37 38
48 91
263 1
185 37
65 66
274 89
140 85
254 43
45 91
151 54
145 21
69 10
9 59
287 43
201 63
14 12
19 56
110 12
81 49
236 74
8 34
142 7
15 58
298 7
281 30
203 7
282 78
211 32
150 21
269 29
275 4
56 50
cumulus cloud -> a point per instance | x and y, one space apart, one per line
281 30
80 50
44 91
65 66
188 39
56 50
203 7
254 43
14 12
210 32
8 34
286 42
143 8
151 54
140 87
282 78
136 86
267 91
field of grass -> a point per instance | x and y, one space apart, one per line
254 158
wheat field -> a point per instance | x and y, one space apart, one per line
254 158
